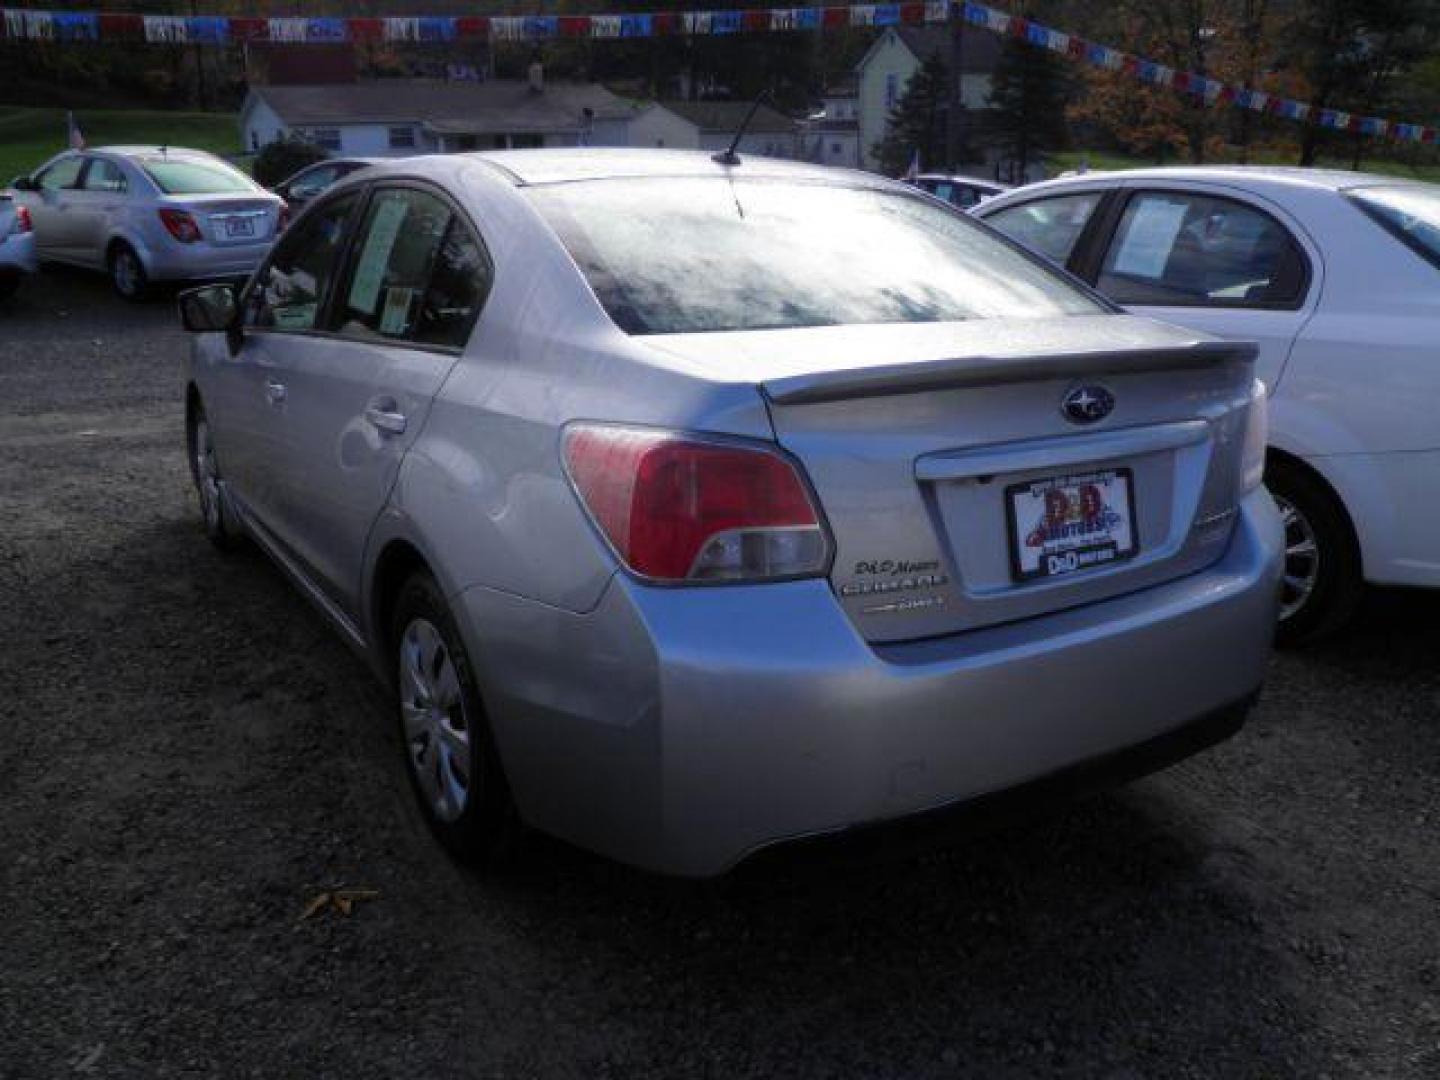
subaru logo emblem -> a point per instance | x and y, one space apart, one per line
1087 404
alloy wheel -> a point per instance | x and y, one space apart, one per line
1302 559
436 729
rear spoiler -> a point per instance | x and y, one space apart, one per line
963 371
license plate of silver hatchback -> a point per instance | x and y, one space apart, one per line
237 227
1066 525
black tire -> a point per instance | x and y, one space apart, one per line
220 528
9 285
127 273
483 828
1335 585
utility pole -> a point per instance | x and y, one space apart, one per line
954 117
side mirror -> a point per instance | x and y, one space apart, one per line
210 309
25 183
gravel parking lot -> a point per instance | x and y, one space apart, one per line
189 756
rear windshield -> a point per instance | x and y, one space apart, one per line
177 176
1411 212
669 256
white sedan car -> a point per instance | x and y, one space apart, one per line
1337 276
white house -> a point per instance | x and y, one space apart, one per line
714 123
397 117
832 136
885 70
656 126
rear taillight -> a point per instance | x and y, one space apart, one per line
679 508
22 221
284 219
1257 438
180 225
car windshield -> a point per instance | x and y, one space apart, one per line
1411 212
669 255
187 176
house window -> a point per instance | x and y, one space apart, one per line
892 89
836 148
326 138
402 138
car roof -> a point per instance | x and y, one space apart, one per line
145 151
529 167
1257 178
962 180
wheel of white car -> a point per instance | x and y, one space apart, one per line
9 285
1321 586
449 753
127 272
205 471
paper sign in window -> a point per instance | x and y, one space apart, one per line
395 319
1150 237
375 256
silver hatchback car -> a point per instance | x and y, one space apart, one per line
147 213
690 508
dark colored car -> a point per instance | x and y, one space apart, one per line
320 177
961 191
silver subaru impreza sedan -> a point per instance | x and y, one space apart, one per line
689 506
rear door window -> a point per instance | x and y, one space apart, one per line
1049 226
293 285
105 176
418 274
1185 249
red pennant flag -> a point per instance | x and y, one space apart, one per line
575 26
912 13
837 16
119 26
472 27
364 29
665 23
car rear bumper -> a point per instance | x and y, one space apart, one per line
202 262
684 729
17 254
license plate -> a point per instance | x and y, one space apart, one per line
239 227
1069 524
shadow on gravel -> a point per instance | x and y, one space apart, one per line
1120 936
1093 939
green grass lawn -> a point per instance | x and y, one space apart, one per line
29 136
1107 160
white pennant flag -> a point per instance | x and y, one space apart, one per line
287 29
166 29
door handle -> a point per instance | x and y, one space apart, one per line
275 392
385 417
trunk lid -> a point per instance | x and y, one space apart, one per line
933 449
227 220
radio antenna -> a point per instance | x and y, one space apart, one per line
729 156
